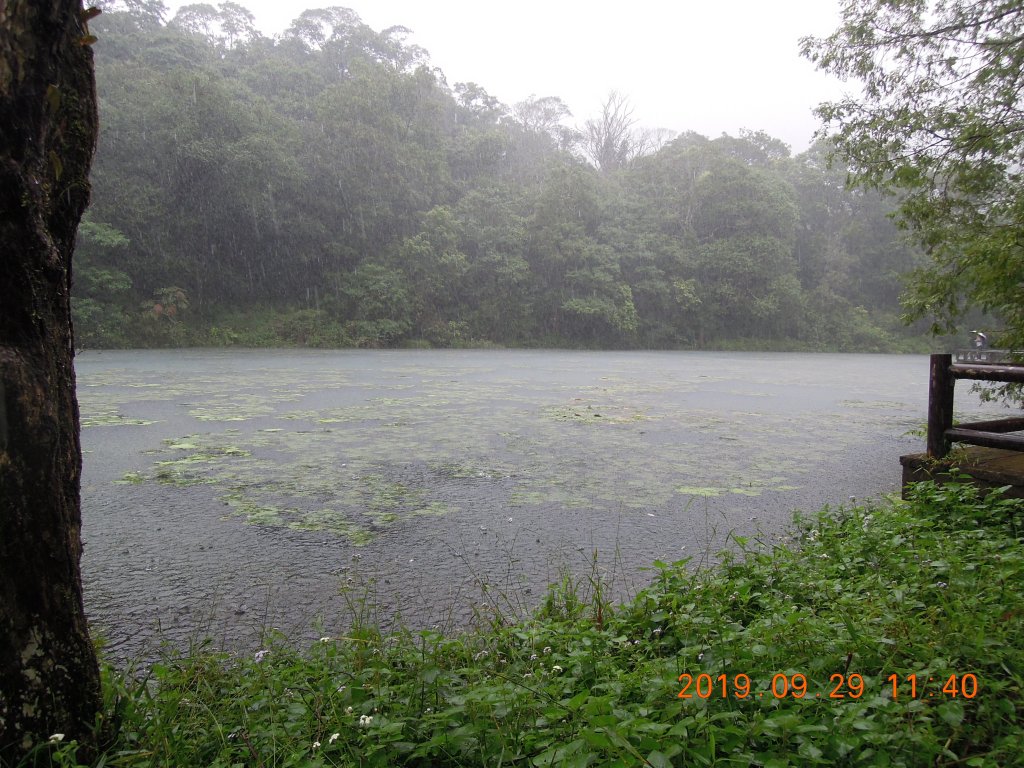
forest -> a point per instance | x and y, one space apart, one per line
328 187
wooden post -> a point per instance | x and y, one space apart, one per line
940 405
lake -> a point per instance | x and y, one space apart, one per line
228 493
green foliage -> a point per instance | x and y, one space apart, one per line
377 299
309 328
331 186
938 124
102 291
927 587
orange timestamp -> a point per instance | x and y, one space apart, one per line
920 687
839 687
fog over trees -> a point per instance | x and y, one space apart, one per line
331 188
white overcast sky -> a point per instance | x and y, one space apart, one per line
704 65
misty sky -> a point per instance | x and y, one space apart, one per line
695 65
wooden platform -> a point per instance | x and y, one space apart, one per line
987 468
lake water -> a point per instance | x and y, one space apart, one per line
226 493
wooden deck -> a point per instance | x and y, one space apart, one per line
987 468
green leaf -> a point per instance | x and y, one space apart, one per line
951 712
658 759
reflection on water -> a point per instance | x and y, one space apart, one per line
227 493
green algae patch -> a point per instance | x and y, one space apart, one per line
241 408
254 513
207 397
116 421
95 412
699 491
876 404
470 471
433 509
385 501
745 491
332 521
528 498
184 471
296 480
181 445
592 413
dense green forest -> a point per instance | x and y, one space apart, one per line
329 187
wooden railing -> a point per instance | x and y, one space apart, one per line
992 434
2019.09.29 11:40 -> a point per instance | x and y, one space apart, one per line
840 686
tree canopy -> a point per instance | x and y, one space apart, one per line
330 187
939 123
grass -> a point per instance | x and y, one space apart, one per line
931 587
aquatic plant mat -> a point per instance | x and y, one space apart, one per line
352 451
887 634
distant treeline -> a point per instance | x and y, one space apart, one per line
330 188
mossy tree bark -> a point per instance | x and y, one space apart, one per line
49 680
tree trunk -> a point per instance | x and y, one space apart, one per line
49 680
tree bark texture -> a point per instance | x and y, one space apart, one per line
49 680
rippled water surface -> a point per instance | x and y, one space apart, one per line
228 493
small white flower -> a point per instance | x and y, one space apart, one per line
258 656
480 655
325 639
941 584
547 649
428 710
528 674
533 657
316 745
341 689
657 631
365 721
700 657
349 710
57 737
556 669
334 738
